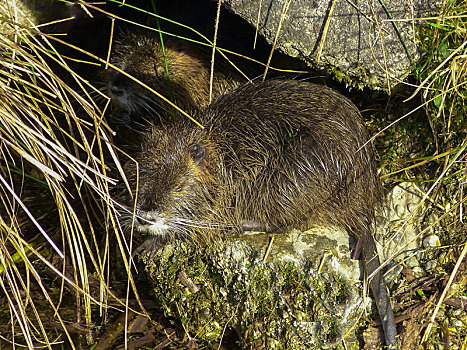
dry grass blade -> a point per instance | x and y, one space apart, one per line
214 46
257 22
285 9
325 31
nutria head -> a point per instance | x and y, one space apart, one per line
180 72
178 187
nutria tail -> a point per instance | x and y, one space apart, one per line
378 287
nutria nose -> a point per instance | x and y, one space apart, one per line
140 220
141 216
118 83
116 91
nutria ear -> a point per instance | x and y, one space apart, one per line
158 69
197 151
181 46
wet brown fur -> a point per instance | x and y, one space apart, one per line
140 54
274 155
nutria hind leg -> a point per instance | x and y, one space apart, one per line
380 293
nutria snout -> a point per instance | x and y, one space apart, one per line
179 70
275 155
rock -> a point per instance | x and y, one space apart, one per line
431 241
304 295
431 265
398 227
418 271
362 46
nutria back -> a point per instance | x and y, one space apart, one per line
180 72
273 156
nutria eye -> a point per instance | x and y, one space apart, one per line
197 151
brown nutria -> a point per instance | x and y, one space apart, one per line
180 72
272 155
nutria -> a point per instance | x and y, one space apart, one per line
140 54
272 155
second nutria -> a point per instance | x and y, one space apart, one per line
272 156
180 72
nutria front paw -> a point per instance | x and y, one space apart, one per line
148 248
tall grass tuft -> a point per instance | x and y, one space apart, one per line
443 86
443 72
55 153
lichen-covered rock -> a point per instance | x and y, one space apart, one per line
368 43
304 295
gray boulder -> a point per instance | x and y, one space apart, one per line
365 43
